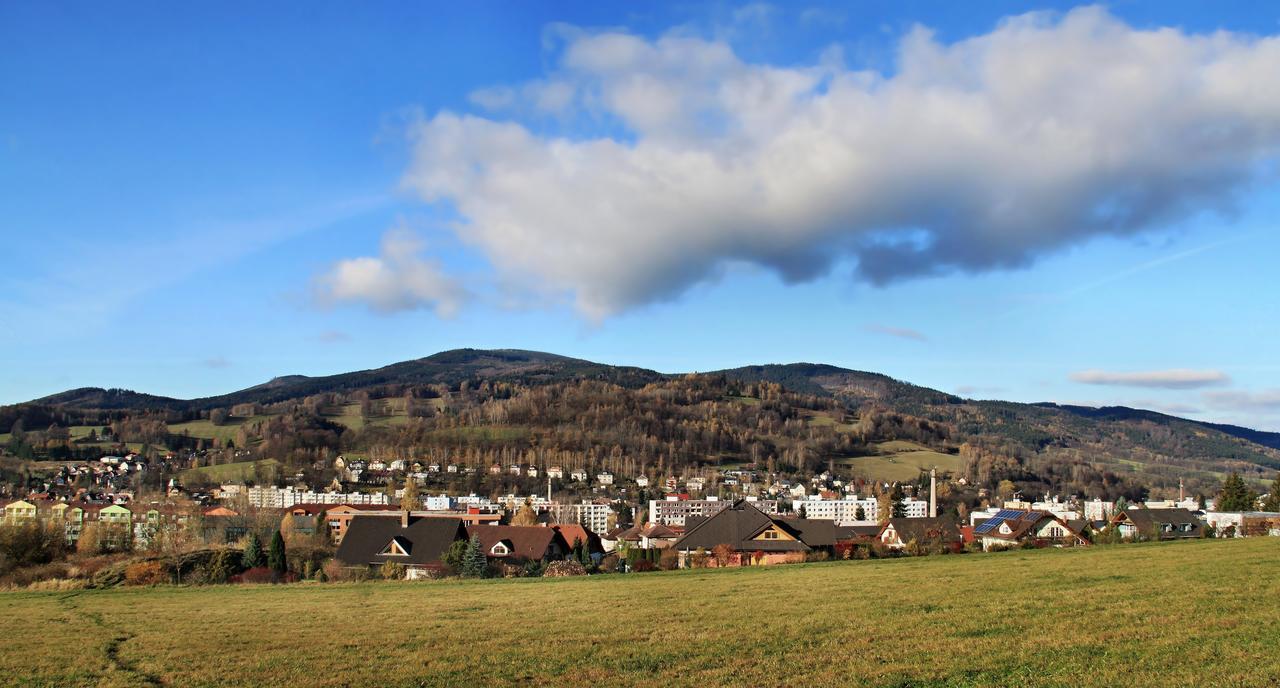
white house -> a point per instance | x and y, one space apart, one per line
605 478
555 472
579 475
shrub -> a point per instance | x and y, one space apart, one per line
609 564
699 558
562 569
29 576
262 574
145 573
390 570
669 559
334 570
643 566
722 553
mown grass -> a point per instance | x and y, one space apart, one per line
209 431
1204 613
902 461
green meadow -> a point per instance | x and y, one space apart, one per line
227 472
1203 613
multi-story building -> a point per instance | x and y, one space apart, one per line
285 497
839 510
593 516
673 511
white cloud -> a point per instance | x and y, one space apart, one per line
1177 378
216 362
1266 401
900 332
397 280
976 155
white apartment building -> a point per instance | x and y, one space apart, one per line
590 515
285 497
1098 510
915 508
673 511
838 510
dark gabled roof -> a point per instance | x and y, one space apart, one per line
525 542
735 526
428 539
857 532
811 531
1146 519
921 529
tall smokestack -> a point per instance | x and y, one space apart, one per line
1180 495
933 493
548 488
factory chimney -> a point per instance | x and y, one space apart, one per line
933 493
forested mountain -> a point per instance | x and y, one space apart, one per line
508 406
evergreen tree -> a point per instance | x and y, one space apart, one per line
475 564
1273 499
276 559
1235 495
860 514
252 557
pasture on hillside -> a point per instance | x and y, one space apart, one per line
1204 613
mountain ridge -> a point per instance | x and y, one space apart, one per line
527 366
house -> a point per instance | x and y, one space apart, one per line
1011 527
555 472
417 543
512 544
573 533
646 536
579 475
1243 523
605 478
897 533
531 471
754 537
1162 524
19 511
642 481
514 469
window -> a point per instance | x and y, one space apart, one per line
396 548
771 535
499 550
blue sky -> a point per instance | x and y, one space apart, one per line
196 201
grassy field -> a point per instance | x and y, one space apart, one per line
227 472
901 460
209 431
1203 613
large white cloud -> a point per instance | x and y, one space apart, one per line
970 156
398 279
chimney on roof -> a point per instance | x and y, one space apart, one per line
933 493
404 518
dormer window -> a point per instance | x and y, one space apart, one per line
500 550
398 547
771 535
